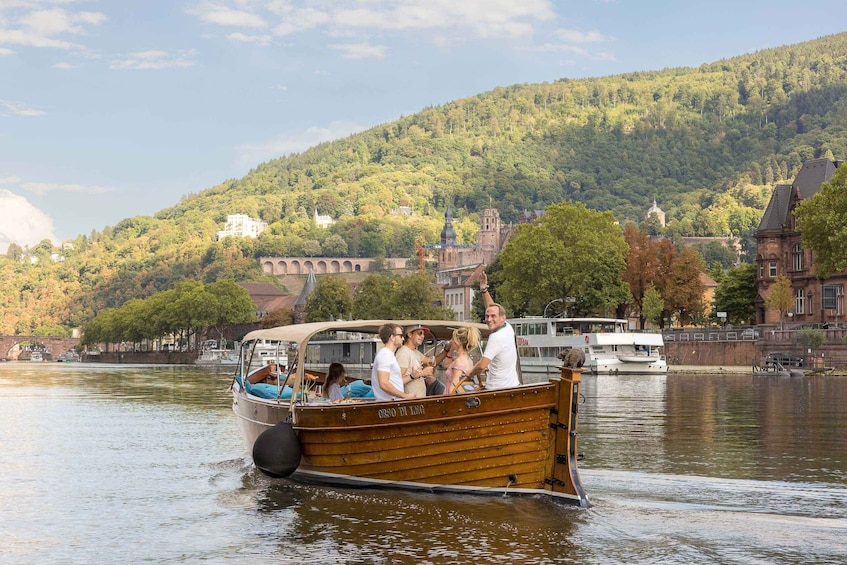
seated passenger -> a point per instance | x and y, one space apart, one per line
335 379
464 339
386 378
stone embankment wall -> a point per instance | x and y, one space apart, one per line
710 353
153 358
831 354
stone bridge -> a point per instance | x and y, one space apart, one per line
323 265
51 346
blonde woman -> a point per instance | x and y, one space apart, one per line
464 340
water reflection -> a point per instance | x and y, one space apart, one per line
145 464
733 426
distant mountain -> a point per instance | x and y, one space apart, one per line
706 143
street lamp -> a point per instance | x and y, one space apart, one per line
549 303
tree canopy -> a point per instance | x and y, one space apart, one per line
571 253
822 221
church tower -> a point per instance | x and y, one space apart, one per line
448 254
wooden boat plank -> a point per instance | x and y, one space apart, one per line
460 450
364 440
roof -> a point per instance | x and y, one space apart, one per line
311 283
301 333
807 183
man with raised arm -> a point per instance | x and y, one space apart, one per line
500 358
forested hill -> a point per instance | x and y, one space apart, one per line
706 143
689 138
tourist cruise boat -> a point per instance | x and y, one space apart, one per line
515 441
609 346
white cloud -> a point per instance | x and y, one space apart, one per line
485 17
360 50
154 59
42 188
302 20
481 18
64 66
27 25
4 51
246 38
250 155
18 109
222 15
575 36
21 222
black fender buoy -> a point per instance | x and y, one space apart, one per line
277 450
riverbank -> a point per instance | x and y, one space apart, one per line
711 369
732 370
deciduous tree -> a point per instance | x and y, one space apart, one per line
330 299
780 297
822 221
736 294
571 253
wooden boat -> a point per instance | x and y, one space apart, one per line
519 440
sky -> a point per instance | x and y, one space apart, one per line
115 108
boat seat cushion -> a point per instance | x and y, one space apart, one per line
358 389
264 390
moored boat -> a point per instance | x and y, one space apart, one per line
520 440
609 346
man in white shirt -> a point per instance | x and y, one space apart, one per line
386 379
500 358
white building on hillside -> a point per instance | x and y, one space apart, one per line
242 225
323 221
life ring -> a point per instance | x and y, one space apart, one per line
586 339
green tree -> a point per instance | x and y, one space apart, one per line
371 295
230 304
14 252
334 246
811 338
736 294
330 299
416 297
780 298
822 221
571 253
652 305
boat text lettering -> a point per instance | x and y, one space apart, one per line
415 410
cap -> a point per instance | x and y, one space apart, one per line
416 327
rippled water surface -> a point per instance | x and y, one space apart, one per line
144 464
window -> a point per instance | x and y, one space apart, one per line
800 301
799 263
761 270
772 269
832 298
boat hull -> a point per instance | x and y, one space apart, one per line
514 441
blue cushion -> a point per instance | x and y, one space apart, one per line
264 390
358 389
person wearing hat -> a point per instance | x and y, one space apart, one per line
419 370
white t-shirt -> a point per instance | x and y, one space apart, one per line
502 353
386 362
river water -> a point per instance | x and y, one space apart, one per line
144 464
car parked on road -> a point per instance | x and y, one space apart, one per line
785 358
